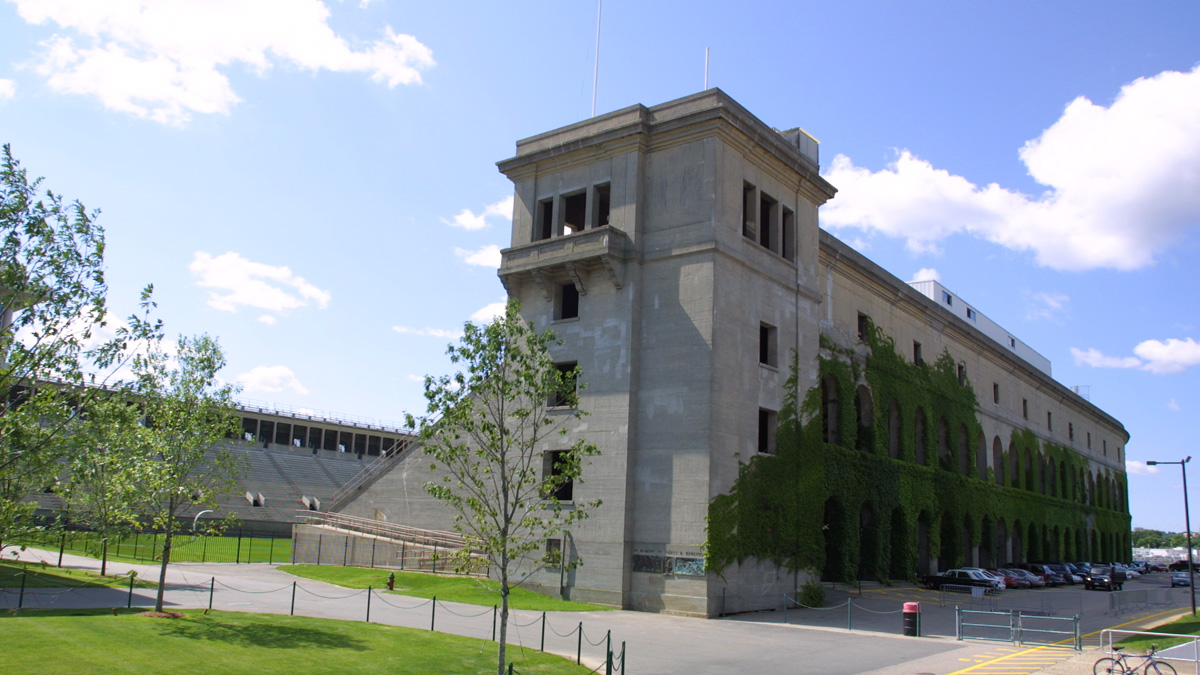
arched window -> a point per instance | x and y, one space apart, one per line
919 432
893 429
998 460
829 409
864 412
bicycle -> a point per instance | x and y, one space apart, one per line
1120 665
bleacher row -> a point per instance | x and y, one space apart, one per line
282 480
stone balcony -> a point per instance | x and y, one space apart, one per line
577 258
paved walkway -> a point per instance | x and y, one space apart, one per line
759 643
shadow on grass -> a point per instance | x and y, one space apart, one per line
253 634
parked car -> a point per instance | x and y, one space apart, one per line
1034 580
1009 580
1180 579
963 577
1105 578
1061 570
1014 580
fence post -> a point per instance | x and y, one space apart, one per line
373 542
320 539
1078 637
622 657
129 603
345 551
368 604
62 544
271 552
203 549
493 623
433 558
212 588
250 548
237 558
958 633
785 604
292 611
543 647
403 553
21 598
432 612
579 645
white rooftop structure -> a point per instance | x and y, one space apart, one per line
954 304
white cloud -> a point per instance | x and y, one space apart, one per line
252 284
8 89
488 256
166 60
430 332
1173 405
1156 356
1046 305
1139 468
927 274
1172 356
416 378
271 379
1123 184
487 313
469 220
1096 359
267 319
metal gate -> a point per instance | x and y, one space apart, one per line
1018 628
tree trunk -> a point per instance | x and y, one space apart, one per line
503 619
104 556
166 558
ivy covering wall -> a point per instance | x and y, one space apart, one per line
877 471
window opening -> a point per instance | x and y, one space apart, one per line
1012 342
862 327
552 469
947 298
565 396
1089 440
962 374
554 552
1049 421
748 210
767 421
574 211
602 208
970 314
1025 408
766 222
566 302
996 393
1070 431
787 235
917 360
767 344
545 220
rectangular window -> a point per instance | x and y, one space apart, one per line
565 396
1089 440
970 314
947 298
917 360
1070 431
566 302
863 324
1049 421
283 434
962 374
749 210
544 226
787 235
1012 342
1105 442
768 337
574 211
767 420
552 470
996 393
1025 408
602 208
554 553
766 222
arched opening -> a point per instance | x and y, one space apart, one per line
1014 465
1018 543
924 564
1029 470
1003 555
998 460
829 409
919 433
835 542
900 560
950 552
968 550
964 452
1091 490
945 462
868 544
1042 479
981 463
1052 479
987 544
864 412
893 429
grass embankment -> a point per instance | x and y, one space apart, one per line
469 590
1189 624
39 576
96 641
146 548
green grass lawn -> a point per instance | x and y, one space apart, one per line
463 589
37 576
1189 624
146 548
96 641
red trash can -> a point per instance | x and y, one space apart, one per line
912 619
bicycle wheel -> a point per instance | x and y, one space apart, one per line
1160 668
1108 666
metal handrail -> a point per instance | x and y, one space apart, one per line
370 470
413 535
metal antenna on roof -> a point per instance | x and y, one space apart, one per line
706 68
596 68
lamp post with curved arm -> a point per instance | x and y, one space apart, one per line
1187 522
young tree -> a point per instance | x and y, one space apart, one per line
489 429
52 303
188 414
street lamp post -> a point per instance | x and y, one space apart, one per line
1187 522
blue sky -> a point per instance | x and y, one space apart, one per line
315 183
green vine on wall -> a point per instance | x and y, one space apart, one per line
846 496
